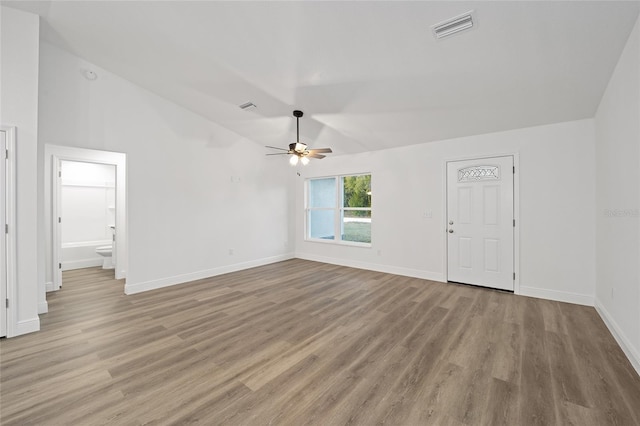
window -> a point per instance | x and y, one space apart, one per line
477 173
339 209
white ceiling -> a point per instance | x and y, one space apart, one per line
368 74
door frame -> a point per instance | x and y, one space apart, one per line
10 237
53 155
516 212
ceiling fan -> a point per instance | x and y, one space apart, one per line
299 150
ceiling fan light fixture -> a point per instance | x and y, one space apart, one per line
298 151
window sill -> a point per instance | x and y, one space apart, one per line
338 243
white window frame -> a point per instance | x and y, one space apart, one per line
338 210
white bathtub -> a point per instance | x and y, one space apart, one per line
83 254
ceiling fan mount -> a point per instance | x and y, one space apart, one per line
298 150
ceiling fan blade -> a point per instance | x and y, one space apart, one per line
279 153
275 147
318 156
320 150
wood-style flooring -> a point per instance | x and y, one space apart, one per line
299 342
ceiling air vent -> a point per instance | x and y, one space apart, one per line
454 25
248 106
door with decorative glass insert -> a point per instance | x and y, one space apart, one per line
480 222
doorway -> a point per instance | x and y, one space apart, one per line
481 222
86 212
54 158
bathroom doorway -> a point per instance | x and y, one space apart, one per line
88 211
87 214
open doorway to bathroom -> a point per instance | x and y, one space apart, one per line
87 215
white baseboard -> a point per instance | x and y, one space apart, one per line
134 288
43 308
26 326
83 263
558 296
632 353
388 269
49 286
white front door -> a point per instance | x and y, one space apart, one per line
480 222
3 236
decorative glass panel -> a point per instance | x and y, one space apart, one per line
476 173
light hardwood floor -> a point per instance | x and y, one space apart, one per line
301 342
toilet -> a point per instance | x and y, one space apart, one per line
106 252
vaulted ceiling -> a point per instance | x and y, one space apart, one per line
369 75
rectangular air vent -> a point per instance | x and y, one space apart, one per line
248 105
454 25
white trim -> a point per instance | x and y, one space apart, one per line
13 328
27 326
445 211
632 353
339 242
559 296
517 289
43 308
388 269
56 205
49 286
516 217
82 263
133 288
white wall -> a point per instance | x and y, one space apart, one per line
556 221
19 107
618 201
88 202
196 192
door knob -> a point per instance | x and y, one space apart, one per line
451 231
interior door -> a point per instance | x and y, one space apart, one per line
480 222
3 236
57 223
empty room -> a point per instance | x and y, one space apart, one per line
320 212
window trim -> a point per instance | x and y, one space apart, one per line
338 210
